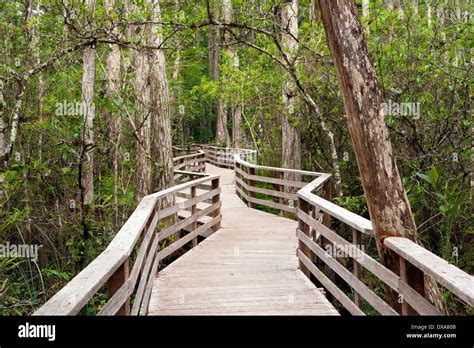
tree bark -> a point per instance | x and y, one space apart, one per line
415 7
142 117
35 42
457 6
87 103
112 92
236 108
161 146
214 41
6 146
365 8
387 201
3 144
291 147
440 12
428 11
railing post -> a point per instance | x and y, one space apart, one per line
204 148
403 278
357 240
238 176
193 212
327 196
304 207
215 199
409 273
251 183
115 282
281 188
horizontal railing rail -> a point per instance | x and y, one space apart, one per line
224 157
276 187
195 162
140 241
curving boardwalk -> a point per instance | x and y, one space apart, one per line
248 267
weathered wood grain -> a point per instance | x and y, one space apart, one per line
451 277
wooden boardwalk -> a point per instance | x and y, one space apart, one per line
248 267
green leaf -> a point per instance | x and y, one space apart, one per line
52 272
424 177
434 176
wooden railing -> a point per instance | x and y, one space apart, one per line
224 157
128 266
195 162
276 187
323 253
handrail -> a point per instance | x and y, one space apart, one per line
448 275
194 162
192 155
224 157
317 240
284 181
320 248
111 267
356 221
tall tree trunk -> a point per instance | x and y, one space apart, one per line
313 12
6 146
428 11
365 8
86 160
214 40
415 8
234 57
112 92
457 9
161 146
3 144
41 89
440 12
142 117
182 119
387 201
87 103
291 147
177 61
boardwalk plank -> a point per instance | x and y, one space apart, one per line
248 267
